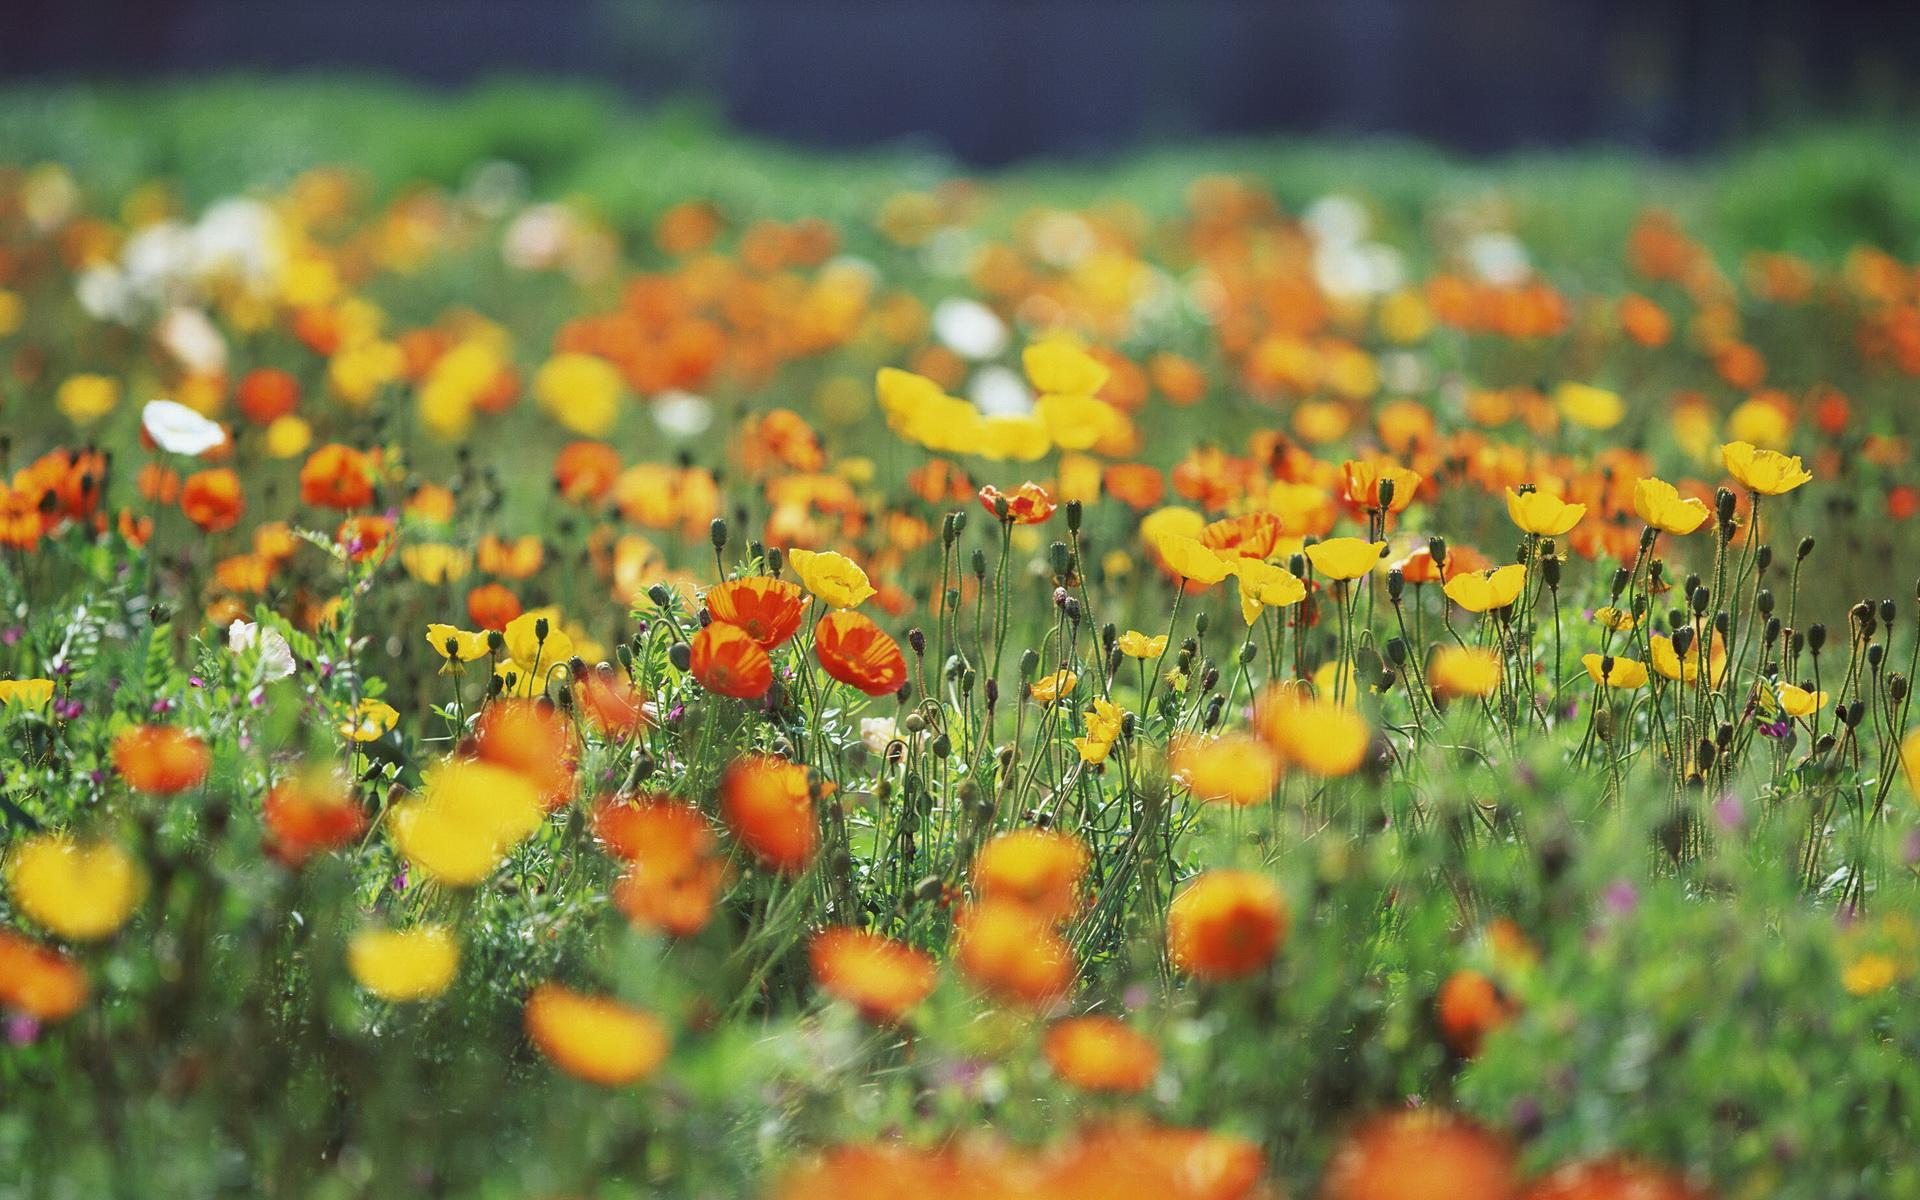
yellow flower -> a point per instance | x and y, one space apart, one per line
535 641
1617 619
836 579
1658 503
579 391
1463 671
1543 512
1263 585
1314 733
1052 687
25 693
1059 367
1589 406
1105 720
434 564
1233 768
80 892
86 398
1910 759
1763 472
288 437
1345 557
1623 673
1670 665
1135 644
1869 973
1799 702
466 819
404 965
455 644
372 719
1075 422
1479 591
1190 560
1019 438
1092 750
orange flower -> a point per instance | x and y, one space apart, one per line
1027 504
1470 1007
212 499
1612 1179
159 483
1361 480
336 476
532 740
160 759
1421 1155
768 805
1102 1054
728 662
267 394
517 559
611 703
365 537
1136 485
585 470
859 653
1226 924
595 1038
767 610
882 978
310 814
1014 955
1037 869
39 982
492 606
673 874
1252 535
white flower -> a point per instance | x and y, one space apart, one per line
682 414
178 429
276 656
191 338
969 328
1000 392
876 732
1499 259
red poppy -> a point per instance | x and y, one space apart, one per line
336 476
859 653
491 606
611 703
532 740
268 394
729 663
766 610
310 815
212 499
585 470
1028 504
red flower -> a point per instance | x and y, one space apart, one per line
729 663
309 815
337 476
859 653
212 499
1028 504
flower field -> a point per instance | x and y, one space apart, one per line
632 663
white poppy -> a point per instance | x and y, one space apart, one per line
178 429
276 656
969 328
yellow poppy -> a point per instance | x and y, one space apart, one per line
404 965
1623 673
1763 472
1190 560
1263 585
79 892
371 720
1135 644
25 693
1480 591
1660 505
1463 671
836 579
1345 557
1798 701
1543 513
1049 688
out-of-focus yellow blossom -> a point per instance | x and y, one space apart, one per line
25 693
468 816
404 965
79 891
86 398
1589 406
580 391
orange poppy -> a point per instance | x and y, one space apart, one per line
365 537
212 499
858 653
727 662
160 759
611 703
267 394
1013 955
1612 1179
766 610
534 741
337 476
1038 869
880 977
1421 1155
673 874
37 981
492 606
595 1038
1102 1054
585 470
767 803
1226 924
1470 1007
308 815
1028 504
516 559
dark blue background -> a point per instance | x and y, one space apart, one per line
993 80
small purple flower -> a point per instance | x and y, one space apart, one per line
1136 996
1910 848
11 635
160 707
400 879
1730 813
1620 897
68 708
676 712
22 1030
195 681
1777 729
